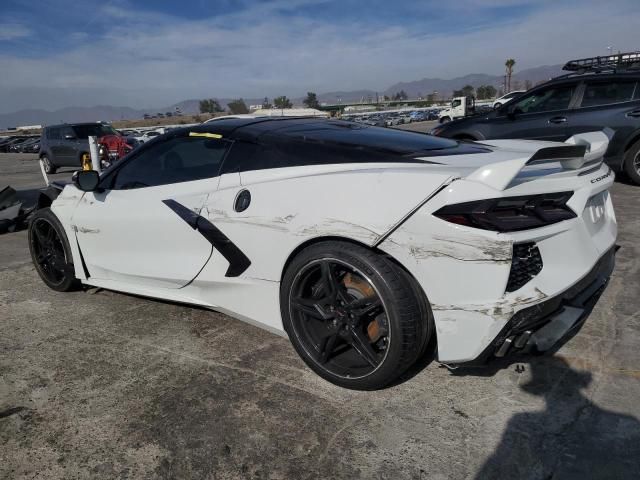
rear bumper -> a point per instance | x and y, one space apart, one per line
547 326
465 272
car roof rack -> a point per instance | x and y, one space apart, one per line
608 63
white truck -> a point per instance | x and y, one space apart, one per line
460 107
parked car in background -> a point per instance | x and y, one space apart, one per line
33 148
5 145
28 145
15 146
506 98
418 116
64 145
130 133
595 97
393 120
423 115
146 136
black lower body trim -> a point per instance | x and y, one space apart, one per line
238 261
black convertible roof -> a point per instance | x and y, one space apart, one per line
325 131
234 128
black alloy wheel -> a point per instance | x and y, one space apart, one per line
353 316
340 318
50 251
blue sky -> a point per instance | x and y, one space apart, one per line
58 53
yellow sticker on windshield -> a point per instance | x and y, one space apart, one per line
205 134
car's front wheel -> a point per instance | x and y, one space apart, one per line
632 163
50 251
49 167
353 315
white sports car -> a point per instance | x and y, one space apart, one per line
362 244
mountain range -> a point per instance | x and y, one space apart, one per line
425 86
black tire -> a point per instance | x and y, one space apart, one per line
401 315
445 120
49 167
50 251
632 163
497 106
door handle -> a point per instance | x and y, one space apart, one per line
558 120
634 113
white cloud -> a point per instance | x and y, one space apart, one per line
13 31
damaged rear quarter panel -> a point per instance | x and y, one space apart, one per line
452 262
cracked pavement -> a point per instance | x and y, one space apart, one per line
97 384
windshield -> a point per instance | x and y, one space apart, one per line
95 130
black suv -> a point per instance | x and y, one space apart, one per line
602 92
64 145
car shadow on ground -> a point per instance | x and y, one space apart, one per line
571 438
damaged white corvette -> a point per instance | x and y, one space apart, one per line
363 244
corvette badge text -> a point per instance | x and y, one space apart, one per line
602 177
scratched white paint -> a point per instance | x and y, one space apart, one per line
132 242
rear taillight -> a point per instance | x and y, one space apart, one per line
510 214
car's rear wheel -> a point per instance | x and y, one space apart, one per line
50 251
497 106
49 167
354 316
445 120
632 163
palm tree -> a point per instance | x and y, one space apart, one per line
509 64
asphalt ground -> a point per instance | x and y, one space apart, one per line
104 385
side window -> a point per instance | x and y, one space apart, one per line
547 100
180 159
283 153
455 103
63 132
240 157
53 134
605 93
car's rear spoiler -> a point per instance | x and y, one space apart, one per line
580 150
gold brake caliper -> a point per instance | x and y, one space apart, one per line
376 328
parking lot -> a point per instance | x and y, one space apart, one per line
97 384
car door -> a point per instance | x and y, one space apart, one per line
66 147
54 139
612 103
140 227
542 114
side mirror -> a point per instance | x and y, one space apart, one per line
86 180
511 111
